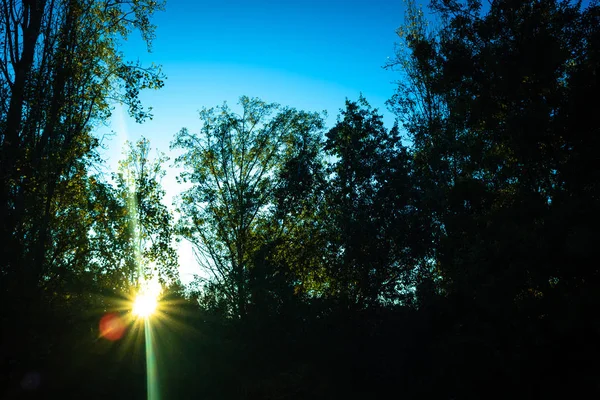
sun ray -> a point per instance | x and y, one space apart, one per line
146 302
152 392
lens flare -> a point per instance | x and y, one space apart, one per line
112 327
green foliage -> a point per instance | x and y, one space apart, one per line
147 221
61 72
234 165
131 235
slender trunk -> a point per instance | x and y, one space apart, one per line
241 284
41 227
33 11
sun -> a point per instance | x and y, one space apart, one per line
146 301
144 305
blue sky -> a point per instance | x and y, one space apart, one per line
310 55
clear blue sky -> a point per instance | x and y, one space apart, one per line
305 54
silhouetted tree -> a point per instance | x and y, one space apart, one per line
490 106
367 199
233 165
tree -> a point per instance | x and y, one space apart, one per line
60 70
234 165
495 111
149 223
132 233
506 136
368 202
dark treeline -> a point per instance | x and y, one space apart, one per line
450 256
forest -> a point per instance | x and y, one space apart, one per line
448 256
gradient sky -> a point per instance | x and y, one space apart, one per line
310 55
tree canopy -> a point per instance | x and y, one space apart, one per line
234 165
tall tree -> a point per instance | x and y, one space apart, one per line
507 136
147 221
500 119
130 236
60 71
368 203
61 68
234 165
